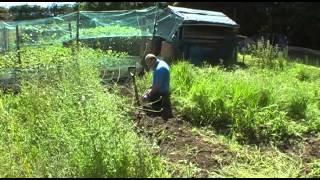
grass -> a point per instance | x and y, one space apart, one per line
64 123
254 105
314 169
33 57
252 161
257 164
266 161
273 101
68 126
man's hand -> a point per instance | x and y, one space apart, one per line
146 95
145 98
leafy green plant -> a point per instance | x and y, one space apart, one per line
267 55
298 107
114 30
303 75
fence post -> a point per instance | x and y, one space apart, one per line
78 24
8 39
70 30
5 38
18 44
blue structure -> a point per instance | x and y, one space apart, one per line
199 35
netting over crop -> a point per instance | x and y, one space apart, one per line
127 23
117 31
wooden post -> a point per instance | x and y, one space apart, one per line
78 24
154 30
77 37
18 44
4 39
70 30
8 39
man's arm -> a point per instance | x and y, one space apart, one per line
158 81
155 89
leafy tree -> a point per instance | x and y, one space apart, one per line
4 14
104 6
56 9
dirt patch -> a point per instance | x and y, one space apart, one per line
311 152
311 149
180 144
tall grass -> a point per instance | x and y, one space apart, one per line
253 105
68 126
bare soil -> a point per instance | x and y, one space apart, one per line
180 144
311 149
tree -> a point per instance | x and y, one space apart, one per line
105 6
56 9
4 14
24 12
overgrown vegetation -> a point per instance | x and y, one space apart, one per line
261 104
274 101
66 125
266 55
52 55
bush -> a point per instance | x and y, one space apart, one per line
267 55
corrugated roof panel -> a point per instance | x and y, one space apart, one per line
203 16
196 11
211 19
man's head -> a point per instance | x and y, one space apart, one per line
150 60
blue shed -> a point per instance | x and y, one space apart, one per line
198 35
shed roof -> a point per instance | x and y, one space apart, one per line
195 16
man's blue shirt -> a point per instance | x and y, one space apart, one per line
161 75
